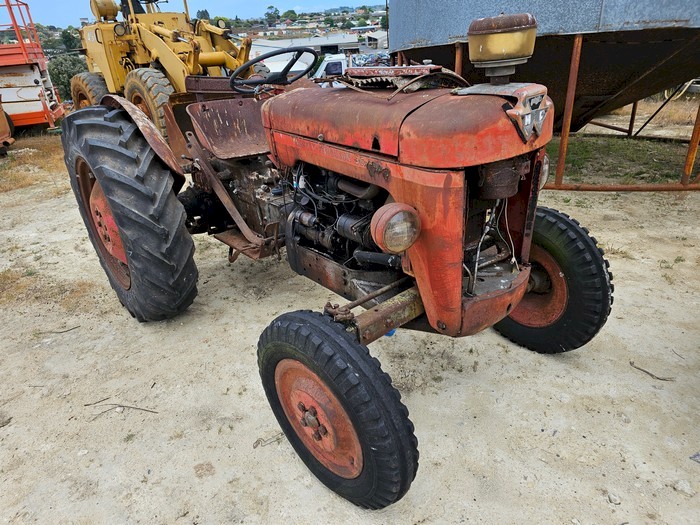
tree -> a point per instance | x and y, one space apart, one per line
329 21
347 25
290 15
203 14
70 38
384 22
272 15
362 22
62 69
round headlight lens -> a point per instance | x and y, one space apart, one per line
395 227
544 172
119 29
221 23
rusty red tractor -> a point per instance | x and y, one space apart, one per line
403 189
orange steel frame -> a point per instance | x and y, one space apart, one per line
685 183
23 53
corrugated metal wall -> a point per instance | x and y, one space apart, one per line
421 23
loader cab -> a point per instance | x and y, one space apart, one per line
126 10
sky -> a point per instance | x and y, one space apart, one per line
63 13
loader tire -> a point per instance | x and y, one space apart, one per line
571 291
150 90
134 219
87 89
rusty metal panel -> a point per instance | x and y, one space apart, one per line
230 128
483 311
150 133
464 131
202 84
403 71
362 120
346 282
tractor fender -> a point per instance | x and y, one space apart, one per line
151 134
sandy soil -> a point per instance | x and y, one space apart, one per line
505 435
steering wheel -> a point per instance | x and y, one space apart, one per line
247 85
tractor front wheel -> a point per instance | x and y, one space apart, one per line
134 220
149 89
87 89
569 295
338 409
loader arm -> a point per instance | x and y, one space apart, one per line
160 51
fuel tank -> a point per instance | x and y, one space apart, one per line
431 128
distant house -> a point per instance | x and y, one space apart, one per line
378 39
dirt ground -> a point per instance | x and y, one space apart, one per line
105 420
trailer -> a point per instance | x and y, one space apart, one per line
28 95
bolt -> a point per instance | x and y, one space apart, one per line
322 430
301 407
316 436
441 325
312 411
303 422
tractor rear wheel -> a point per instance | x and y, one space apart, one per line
338 409
87 89
150 90
134 219
569 294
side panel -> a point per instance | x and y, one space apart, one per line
104 54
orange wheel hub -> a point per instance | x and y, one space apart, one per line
548 293
103 225
318 418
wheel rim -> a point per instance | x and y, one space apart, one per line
548 294
318 419
102 224
83 101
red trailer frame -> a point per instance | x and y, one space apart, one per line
27 52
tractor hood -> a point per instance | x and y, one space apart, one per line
433 128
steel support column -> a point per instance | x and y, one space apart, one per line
568 108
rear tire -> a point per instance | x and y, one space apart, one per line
149 89
134 219
87 89
315 374
572 295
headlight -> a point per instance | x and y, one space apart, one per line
544 172
221 23
119 29
395 227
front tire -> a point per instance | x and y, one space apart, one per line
569 296
338 409
149 89
87 89
134 220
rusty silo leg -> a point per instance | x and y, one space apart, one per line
692 150
568 108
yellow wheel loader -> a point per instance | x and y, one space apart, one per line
155 59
